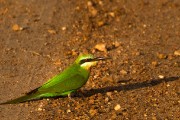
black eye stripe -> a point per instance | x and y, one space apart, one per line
86 60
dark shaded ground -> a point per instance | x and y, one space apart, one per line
140 82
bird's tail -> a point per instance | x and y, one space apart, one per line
27 97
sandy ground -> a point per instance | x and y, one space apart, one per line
41 38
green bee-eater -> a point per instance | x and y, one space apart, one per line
70 80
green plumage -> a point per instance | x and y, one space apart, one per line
70 80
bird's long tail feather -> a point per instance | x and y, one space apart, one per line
22 99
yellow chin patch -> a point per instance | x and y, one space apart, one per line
87 65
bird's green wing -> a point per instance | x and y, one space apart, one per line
71 83
67 73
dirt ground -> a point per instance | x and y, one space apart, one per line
40 38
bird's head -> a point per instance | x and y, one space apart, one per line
88 60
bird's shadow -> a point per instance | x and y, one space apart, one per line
128 87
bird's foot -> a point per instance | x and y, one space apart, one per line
70 95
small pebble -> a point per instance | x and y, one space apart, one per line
52 31
91 101
63 28
137 53
116 44
117 107
177 52
144 25
68 111
112 14
39 109
58 62
161 76
16 27
162 56
106 99
92 112
93 11
154 118
74 53
123 72
89 3
170 57
123 83
101 47
154 63
101 3
109 94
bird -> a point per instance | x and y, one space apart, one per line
64 83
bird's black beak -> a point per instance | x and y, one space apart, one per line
100 58
94 59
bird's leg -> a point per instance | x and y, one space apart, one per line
70 95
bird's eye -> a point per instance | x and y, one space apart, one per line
82 61
85 60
